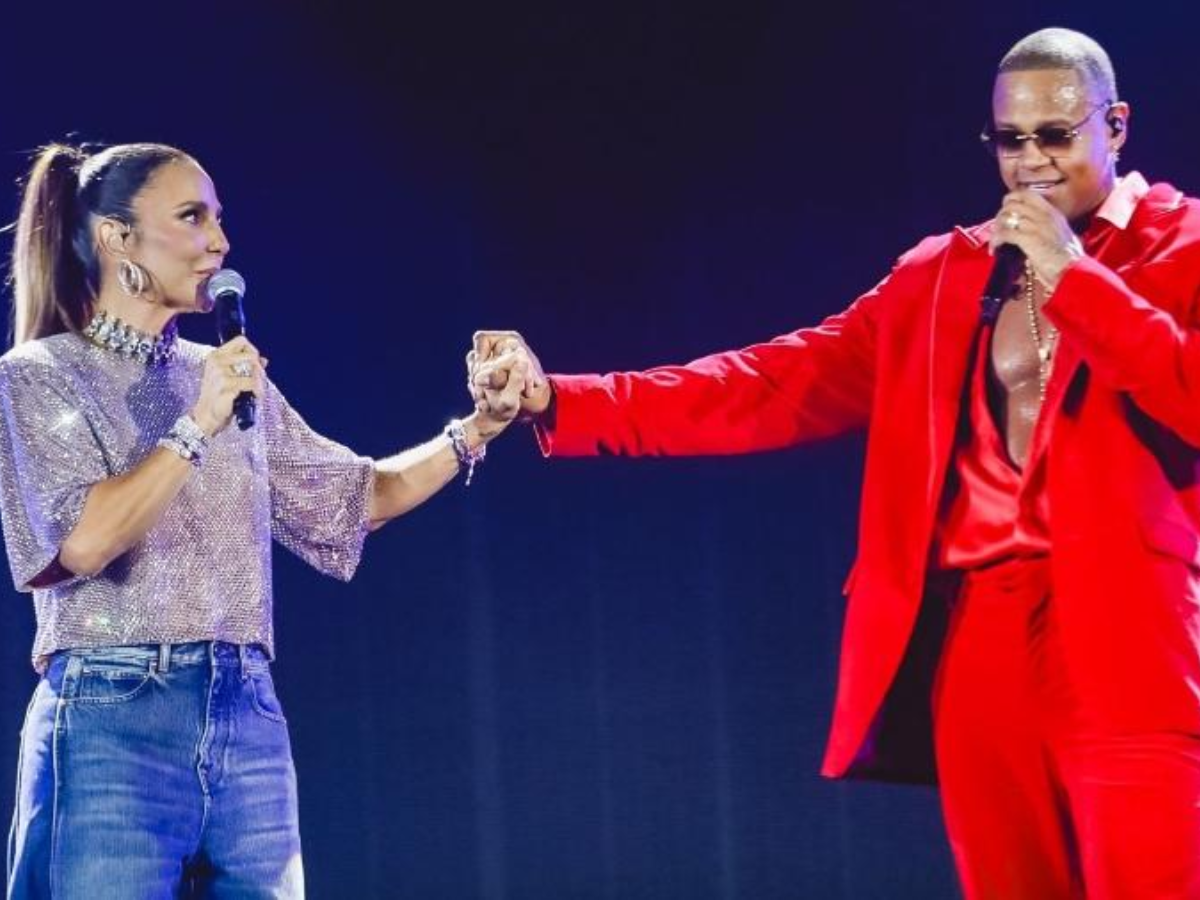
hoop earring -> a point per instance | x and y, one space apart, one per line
132 278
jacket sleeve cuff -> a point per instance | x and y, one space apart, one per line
576 416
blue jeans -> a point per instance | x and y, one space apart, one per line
153 772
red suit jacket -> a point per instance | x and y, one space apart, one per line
1122 457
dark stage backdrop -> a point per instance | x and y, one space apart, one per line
582 679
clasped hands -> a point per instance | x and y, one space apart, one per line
505 378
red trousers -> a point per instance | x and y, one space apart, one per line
1040 802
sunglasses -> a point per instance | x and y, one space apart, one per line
1052 140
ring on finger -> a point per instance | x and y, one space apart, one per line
242 368
1012 222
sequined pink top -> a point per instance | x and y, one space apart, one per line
73 414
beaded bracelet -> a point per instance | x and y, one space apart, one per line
467 458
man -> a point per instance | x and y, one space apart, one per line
1035 476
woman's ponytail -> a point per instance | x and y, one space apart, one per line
50 290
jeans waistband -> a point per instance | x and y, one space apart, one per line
164 657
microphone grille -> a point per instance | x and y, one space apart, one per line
225 281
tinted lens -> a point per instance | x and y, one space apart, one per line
1006 140
1053 138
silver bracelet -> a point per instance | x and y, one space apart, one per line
187 439
467 458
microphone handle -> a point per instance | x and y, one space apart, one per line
245 404
231 323
1009 259
245 409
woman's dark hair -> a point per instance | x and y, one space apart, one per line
55 270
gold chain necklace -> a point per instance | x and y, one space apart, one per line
1045 350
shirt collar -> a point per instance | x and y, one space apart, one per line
1117 208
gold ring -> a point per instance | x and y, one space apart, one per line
1012 222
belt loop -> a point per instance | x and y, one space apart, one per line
242 659
164 658
70 680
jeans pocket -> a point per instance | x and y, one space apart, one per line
263 697
103 682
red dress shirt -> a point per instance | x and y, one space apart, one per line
993 510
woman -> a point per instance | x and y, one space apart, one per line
155 759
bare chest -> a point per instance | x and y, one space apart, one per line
1020 358
1015 358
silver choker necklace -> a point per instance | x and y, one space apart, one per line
112 334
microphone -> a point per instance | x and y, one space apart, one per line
225 291
1009 260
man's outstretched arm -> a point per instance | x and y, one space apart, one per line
802 386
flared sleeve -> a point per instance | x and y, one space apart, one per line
50 457
320 491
